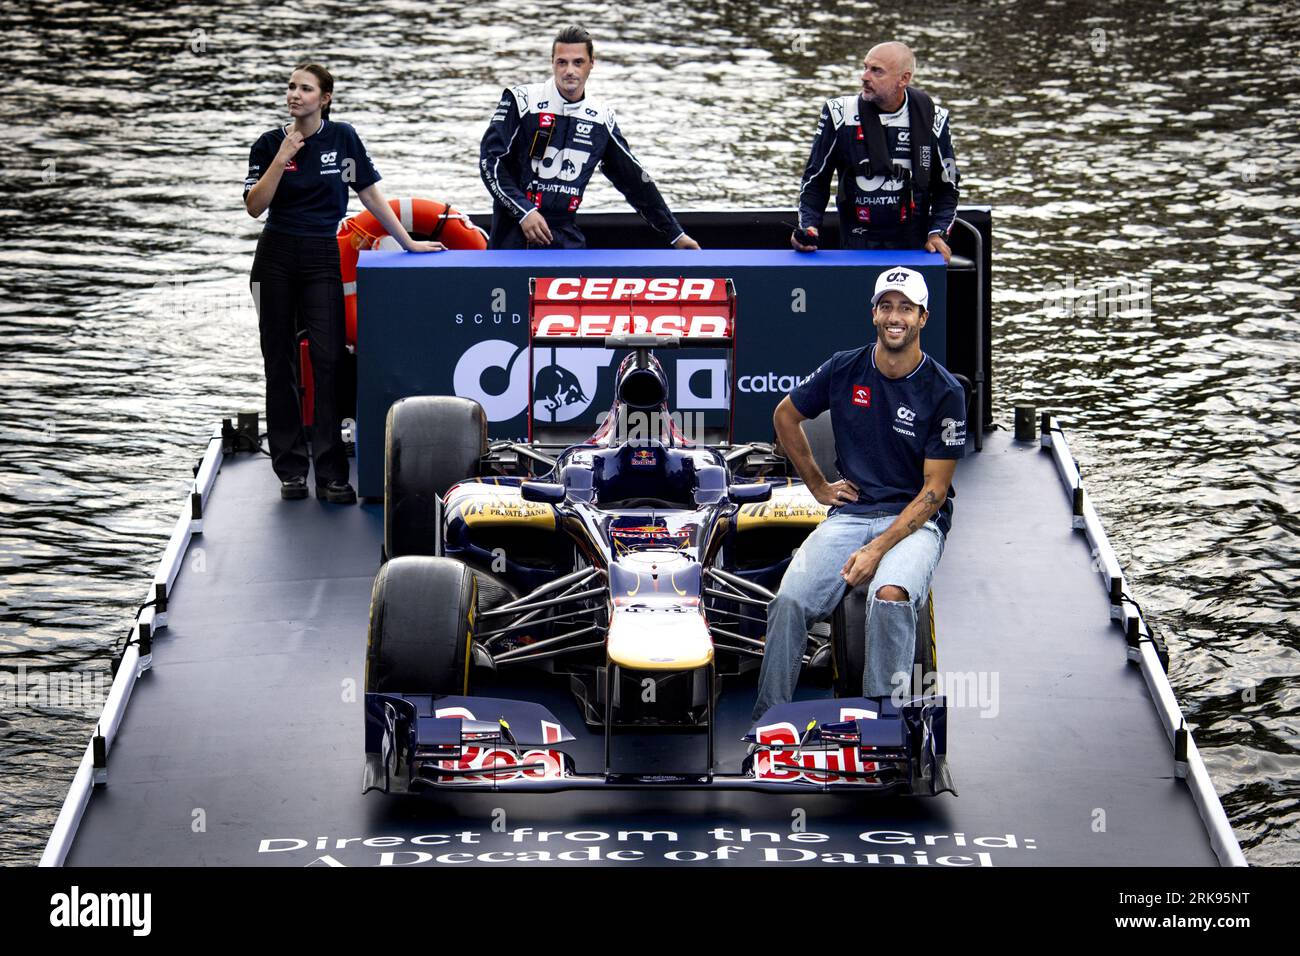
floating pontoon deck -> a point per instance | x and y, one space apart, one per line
242 743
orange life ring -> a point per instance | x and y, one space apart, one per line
423 217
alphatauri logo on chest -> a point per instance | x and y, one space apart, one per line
904 421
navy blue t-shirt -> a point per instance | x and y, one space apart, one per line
313 193
885 428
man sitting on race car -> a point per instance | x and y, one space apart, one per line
899 421
541 148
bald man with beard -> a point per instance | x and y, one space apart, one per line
892 149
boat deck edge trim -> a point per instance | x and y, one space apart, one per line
1197 776
132 664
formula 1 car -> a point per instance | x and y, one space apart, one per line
636 565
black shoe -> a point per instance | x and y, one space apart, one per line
336 492
292 489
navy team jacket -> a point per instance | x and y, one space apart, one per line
540 151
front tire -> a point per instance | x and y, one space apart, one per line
422 612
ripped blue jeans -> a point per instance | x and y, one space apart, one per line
812 587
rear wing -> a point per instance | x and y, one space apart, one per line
632 312
641 313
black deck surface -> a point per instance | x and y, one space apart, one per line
248 729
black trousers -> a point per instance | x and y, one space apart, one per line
296 283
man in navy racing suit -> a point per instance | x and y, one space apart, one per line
543 145
892 148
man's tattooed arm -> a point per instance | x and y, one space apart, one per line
938 479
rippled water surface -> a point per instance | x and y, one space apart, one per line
1147 149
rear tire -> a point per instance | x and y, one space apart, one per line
422 612
431 442
821 439
849 644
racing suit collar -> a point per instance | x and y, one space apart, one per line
561 105
864 108
898 112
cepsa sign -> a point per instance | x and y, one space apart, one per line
571 307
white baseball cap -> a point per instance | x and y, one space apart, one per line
906 281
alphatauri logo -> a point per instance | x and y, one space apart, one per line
76 909
563 165
494 372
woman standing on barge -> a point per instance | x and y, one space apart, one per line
302 172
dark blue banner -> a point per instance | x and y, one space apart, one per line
456 323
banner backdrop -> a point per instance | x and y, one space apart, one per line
456 323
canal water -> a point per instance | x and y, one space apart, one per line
1137 158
